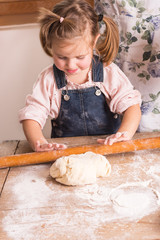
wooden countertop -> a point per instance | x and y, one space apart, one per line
33 206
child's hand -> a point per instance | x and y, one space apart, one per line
41 147
117 137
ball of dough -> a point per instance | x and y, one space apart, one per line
80 169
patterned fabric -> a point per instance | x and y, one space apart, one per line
139 51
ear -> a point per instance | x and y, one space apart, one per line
96 39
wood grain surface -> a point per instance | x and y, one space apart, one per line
6 148
35 206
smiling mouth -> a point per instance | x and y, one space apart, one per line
72 70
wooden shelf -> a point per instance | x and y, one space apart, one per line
25 11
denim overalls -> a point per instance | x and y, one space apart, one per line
83 112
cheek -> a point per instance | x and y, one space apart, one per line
85 63
59 64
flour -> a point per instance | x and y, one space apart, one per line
94 195
29 225
25 191
130 201
44 210
134 200
154 171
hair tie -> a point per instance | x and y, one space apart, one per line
100 17
61 19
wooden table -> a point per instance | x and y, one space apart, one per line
33 206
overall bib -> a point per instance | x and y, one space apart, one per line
83 112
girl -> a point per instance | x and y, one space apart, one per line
85 94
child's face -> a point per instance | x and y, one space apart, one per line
72 56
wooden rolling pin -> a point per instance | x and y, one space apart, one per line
42 157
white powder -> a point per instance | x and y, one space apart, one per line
127 202
25 190
134 200
30 189
29 225
154 171
47 210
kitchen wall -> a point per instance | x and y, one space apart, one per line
21 60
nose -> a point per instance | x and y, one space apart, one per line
71 64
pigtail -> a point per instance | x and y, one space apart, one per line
46 19
53 26
108 43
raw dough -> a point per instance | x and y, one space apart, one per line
80 169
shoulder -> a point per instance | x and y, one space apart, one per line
112 67
46 77
46 72
114 72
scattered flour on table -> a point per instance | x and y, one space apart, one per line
93 205
31 193
134 200
154 172
127 202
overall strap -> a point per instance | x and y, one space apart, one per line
59 77
97 73
97 69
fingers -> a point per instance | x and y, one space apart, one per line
48 146
57 146
117 137
43 147
108 140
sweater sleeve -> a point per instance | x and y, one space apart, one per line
118 90
41 102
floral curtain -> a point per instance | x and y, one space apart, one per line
139 51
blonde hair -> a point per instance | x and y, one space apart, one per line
79 19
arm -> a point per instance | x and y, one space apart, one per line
34 135
38 107
131 120
128 127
